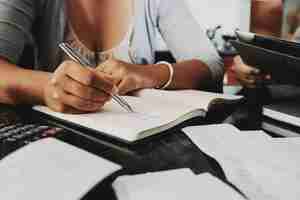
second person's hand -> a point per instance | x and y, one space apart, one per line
130 77
248 76
77 89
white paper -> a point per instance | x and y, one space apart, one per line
50 169
261 167
172 185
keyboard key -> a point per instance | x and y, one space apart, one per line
2 125
7 128
15 136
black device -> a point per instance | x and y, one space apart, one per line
16 132
274 56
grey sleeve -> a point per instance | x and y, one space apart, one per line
184 36
16 18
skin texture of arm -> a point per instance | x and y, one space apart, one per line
20 86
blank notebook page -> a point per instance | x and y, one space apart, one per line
190 98
116 121
50 169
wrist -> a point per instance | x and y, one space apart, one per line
170 69
159 75
31 89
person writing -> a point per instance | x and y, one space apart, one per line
118 37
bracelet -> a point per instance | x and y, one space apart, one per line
171 74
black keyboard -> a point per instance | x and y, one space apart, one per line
16 132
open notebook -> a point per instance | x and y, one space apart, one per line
260 166
155 111
173 185
50 169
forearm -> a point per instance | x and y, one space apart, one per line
20 86
191 74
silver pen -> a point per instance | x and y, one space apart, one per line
84 62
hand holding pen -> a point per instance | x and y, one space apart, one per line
77 89
85 63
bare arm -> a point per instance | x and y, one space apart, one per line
129 77
21 86
71 88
